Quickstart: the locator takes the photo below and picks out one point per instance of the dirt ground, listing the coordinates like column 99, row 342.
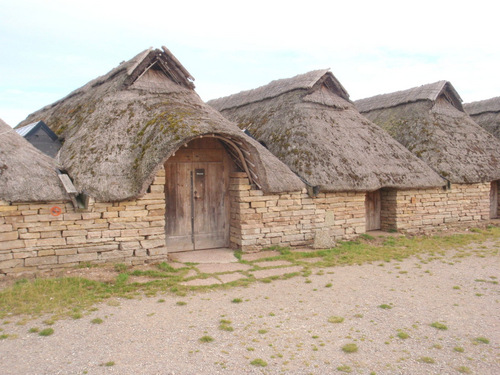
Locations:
column 286, row 326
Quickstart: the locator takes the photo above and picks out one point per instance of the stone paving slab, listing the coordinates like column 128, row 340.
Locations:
column 204, row 256
column 274, row 263
column 311, row 260
column 191, row 273
column 260, row 255
column 262, row 274
column 176, row 265
column 224, row 267
column 202, row 282
column 227, row 278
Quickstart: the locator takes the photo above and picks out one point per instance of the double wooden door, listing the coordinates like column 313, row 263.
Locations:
column 196, row 196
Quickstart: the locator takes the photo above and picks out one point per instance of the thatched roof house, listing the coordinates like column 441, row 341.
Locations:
column 120, row 128
column 486, row 113
column 430, row 122
column 26, row 174
column 309, row 123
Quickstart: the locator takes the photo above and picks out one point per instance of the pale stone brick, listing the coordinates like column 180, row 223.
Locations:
column 52, row 259
column 10, row 245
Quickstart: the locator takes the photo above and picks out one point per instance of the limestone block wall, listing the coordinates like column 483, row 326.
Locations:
column 40, row 236
column 292, row 218
column 428, row 209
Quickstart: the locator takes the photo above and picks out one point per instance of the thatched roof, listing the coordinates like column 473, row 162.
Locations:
column 486, row 113
column 26, row 174
column 436, row 129
column 309, row 123
column 120, row 128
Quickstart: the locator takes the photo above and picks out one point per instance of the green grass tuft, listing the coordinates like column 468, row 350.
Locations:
column 350, row 348
column 258, row 362
column 46, row 332
column 439, row 326
column 335, row 319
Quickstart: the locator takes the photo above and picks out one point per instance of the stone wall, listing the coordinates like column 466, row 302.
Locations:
column 40, row 236
column 35, row 237
column 292, row 218
column 428, row 209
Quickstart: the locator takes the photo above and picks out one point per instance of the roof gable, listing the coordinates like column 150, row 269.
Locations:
column 27, row 130
column 312, row 81
column 431, row 92
column 482, row 106
column 162, row 61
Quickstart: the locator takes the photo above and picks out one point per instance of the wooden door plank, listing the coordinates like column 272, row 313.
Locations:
column 373, row 208
column 494, row 200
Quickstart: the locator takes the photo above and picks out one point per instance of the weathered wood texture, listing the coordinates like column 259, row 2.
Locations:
column 373, row 206
column 197, row 202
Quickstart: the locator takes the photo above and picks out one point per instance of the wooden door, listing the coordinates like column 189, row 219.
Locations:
column 494, row 200
column 197, row 199
column 372, row 207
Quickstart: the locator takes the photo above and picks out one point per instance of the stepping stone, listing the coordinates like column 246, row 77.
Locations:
column 191, row 273
column 202, row 282
column 176, row 265
column 273, row 263
column 262, row 274
column 227, row 278
column 260, row 255
column 223, row 267
column 204, row 256
column 311, row 260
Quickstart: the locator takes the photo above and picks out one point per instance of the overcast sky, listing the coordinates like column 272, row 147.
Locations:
column 48, row 48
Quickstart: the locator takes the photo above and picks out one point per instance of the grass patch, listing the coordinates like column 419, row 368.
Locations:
column 344, row 368
column 350, row 348
column 439, row 326
column 206, row 339
column 237, row 300
column 335, row 319
column 181, row 303
column 481, row 340
column 385, row 306
column 403, row 335
column 426, row 360
column 46, row 332
column 225, row 325
column 464, row 370
column 459, row 349
column 97, row 321
column 258, row 362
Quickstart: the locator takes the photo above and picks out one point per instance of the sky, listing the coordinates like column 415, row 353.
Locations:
column 49, row 48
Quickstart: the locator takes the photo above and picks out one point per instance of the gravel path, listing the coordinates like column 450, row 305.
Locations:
column 285, row 324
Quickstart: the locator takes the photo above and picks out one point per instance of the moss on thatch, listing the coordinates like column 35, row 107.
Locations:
column 121, row 127
column 309, row 123
column 428, row 121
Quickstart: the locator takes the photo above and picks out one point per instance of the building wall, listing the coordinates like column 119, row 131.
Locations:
column 292, row 218
column 428, row 209
column 33, row 239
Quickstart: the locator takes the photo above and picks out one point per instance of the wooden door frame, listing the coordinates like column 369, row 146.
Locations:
column 227, row 166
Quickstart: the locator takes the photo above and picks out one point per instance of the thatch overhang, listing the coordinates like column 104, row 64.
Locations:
column 310, row 124
column 486, row 113
column 120, row 128
column 26, row 174
column 430, row 122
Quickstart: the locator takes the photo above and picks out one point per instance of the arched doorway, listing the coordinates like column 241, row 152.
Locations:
column 196, row 194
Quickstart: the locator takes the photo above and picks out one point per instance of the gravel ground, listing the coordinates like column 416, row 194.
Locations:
column 285, row 324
